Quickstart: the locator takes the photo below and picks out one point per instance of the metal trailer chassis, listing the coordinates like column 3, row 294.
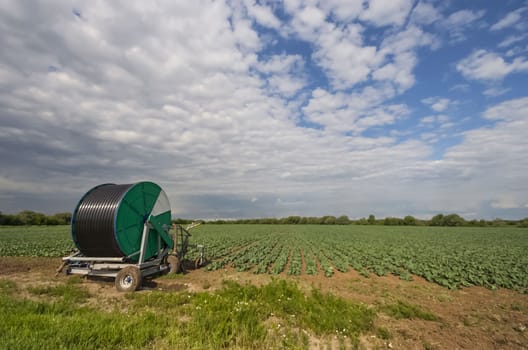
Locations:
column 128, row 276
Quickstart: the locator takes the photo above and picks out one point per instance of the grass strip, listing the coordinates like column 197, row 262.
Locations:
column 276, row 315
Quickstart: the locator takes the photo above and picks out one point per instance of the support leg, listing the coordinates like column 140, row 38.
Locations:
column 144, row 239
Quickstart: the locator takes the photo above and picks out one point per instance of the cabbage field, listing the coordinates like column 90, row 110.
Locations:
column 451, row 257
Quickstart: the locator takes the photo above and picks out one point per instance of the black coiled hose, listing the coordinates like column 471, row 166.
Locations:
column 93, row 222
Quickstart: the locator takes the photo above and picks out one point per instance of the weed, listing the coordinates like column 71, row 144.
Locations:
column 402, row 309
column 471, row 321
column 444, row 298
column 172, row 276
column 406, row 276
column 7, row 286
column 383, row 333
column 428, row 346
column 518, row 307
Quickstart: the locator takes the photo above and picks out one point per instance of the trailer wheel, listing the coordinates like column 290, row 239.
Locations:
column 197, row 263
column 174, row 263
column 128, row 279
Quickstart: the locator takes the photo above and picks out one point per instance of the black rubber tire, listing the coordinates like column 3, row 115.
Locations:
column 128, row 279
column 174, row 264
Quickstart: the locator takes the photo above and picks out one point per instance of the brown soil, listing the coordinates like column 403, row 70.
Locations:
column 470, row 318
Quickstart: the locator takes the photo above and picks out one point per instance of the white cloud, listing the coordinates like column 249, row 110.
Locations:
column 428, row 120
column 512, row 39
column 344, row 10
column 400, row 48
column 495, row 91
column 311, row 16
column 484, row 65
column 186, row 94
column 409, row 39
column 398, row 72
column 349, row 62
column 18, row 186
column 463, row 18
column 507, row 201
column 177, row 101
column 440, row 105
column 346, row 63
column 425, row 13
column 340, row 49
column 437, row 104
column 459, row 22
column 430, row 137
column 262, row 14
column 383, row 13
column 281, row 64
column 485, row 150
column 460, row 87
column 283, row 73
column 441, row 120
column 291, row 6
column 511, row 19
column 307, row 21
column 354, row 112
column 516, row 51
column 286, row 85
column 512, row 110
column 322, row 100
column 447, row 125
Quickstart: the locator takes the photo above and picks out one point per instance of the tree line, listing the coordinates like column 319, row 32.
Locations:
column 437, row 220
column 28, row 217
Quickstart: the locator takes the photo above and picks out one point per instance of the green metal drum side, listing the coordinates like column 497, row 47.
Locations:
column 134, row 209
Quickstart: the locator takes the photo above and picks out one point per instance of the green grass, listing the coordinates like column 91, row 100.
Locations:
column 7, row 287
column 63, row 324
column 159, row 300
column 404, row 310
column 277, row 315
column 239, row 315
column 383, row 333
column 518, row 307
column 69, row 292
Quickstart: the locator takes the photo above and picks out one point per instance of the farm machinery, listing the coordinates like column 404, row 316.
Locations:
column 125, row 232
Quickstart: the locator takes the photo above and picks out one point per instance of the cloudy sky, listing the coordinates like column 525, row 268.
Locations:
column 251, row 108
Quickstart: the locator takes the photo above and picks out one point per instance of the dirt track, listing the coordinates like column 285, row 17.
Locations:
column 471, row 318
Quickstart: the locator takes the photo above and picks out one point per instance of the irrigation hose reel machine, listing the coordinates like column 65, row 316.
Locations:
column 124, row 232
